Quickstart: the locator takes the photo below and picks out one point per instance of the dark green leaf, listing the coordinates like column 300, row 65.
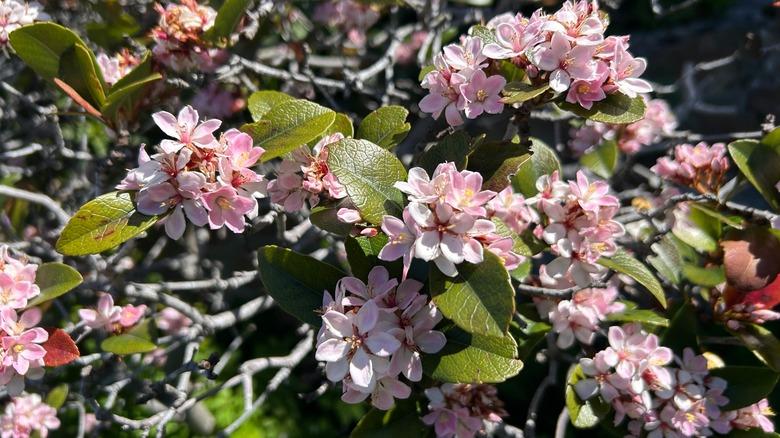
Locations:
column 761, row 342
column 518, row 92
column 639, row 315
column 626, row 264
column 479, row 299
column 584, row 414
column 54, row 279
column 228, row 17
column 297, row 282
column 708, row 277
column 497, row 161
column 140, row 339
column 385, row 127
column 760, row 164
column 746, row 385
column 544, row 161
column 682, row 330
column 126, row 97
column 103, row 223
column 455, row 148
column 603, row 159
column 362, row 255
column 615, row 109
column 473, row 358
column 402, row 420
column 324, row 216
column 41, row 46
column 368, row 172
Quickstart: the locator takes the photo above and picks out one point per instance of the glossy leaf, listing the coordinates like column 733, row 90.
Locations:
column 324, row 216
column 103, row 223
column 289, row 125
column 54, row 279
column 707, row 277
column 626, row 264
column 603, row 159
column 498, row 161
column 584, row 414
column 261, row 102
column 518, row 92
column 139, row 339
column 615, row 109
column 368, row 172
column 761, row 342
column 682, row 330
column 227, row 19
column 385, row 127
column 639, row 315
column 473, row 358
column 479, row 299
column 667, row 259
column 746, row 385
column 760, row 163
column 750, row 258
column 60, row 348
column 362, row 255
column 402, row 420
column 126, row 97
column 297, row 282
column 454, row 148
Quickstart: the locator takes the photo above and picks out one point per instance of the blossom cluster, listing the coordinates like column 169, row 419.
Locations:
column 702, row 167
column 197, row 176
column 179, row 37
column 21, row 352
column 659, row 121
column 27, row 415
column 112, row 318
column 579, row 318
column 116, row 67
column 350, row 16
column 566, row 50
column 305, row 177
column 662, row 395
column 374, row 332
column 447, row 220
column 736, row 307
column 15, row 14
column 579, row 227
column 459, row 410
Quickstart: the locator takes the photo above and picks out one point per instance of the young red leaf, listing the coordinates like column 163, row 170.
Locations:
column 60, row 348
column 750, row 258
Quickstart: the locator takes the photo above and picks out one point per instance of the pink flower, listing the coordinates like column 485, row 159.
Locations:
column 14, row 293
column 27, row 414
column 383, row 396
column 186, row 130
column 458, row 410
column 23, row 349
column 586, row 91
column 15, row 14
column 564, row 62
column 467, row 55
column 512, row 209
column 12, row 324
column 227, row 208
column 625, row 71
column 379, row 284
column 702, row 167
column 105, row 316
column 443, row 87
column 416, row 334
column 482, row 94
column 515, row 36
column 466, row 193
column 130, row 315
column 172, row 321
column 401, row 236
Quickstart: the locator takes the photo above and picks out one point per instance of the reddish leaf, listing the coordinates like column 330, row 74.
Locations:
column 60, row 348
column 750, row 258
column 765, row 298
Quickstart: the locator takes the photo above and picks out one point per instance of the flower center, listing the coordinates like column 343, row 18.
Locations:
column 482, row 95
column 583, row 88
column 224, row 203
column 18, row 348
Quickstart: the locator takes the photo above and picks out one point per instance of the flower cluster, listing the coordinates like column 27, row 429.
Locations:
column 21, row 352
column 178, row 37
column 350, row 16
column 459, row 83
column 375, row 331
column 579, row 227
column 567, row 50
column 459, row 410
column 579, row 318
column 701, row 167
column 305, row 176
column 112, row 318
column 736, row 307
column 27, row 415
column 196, row 176
column 659, row 121
column 447, row 220
column 116, row 67
column 215, row 101
column 15, row 14
column 662, row 395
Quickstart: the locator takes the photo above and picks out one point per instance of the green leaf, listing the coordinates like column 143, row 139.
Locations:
column 626, row 264
column 701, row 231
column 385, row 127
column 297, row 282
column 362, row 255
column 760, row 164
column 603, row 159
column 667, row 260
column 227, row 19
column 103, row 223
column 454, row 148
column 368, row 172
column 140, row 339
column 402, row 420
column 424, row 72
column 752, row 433
column 498, row 161
column 479, row 299
column 54, row 279
column 615, row 109
column 343, row 125
column 746, row 385
column 115, row 27
column 682, row 330
column 530, row 335
column 584, row 414
column 289, row 125
column 261, row 102
column 639, row 315
column 708, row 277
column 80, row 70
column 473, row 358
column 518, row 92
column 761, row 342
column 57, row 396
column 126, row 97
column 544, row 161
column 486, row 35
column 41, row 46
column 731, row 220
column 772, row 139
column 324, row 216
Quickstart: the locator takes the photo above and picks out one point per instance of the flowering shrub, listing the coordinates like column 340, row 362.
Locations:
column 448, row 276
